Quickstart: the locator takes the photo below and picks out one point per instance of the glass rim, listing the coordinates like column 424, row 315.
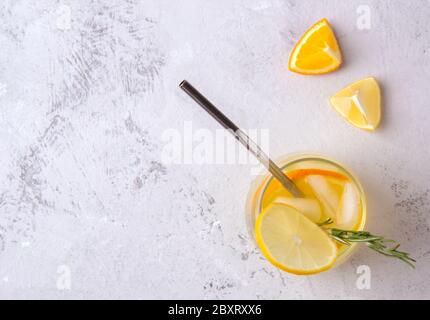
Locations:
column 288, row 160
column 301, row 157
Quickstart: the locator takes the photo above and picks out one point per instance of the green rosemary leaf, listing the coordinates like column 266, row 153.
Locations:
column 376, row 243
column 341, row 240
column 325, row 222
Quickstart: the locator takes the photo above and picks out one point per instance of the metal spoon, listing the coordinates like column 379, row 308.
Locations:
column 242, row 137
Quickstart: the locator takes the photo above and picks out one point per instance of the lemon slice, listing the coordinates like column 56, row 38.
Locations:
column 292, row 242
column 309, row 207
column 317, row 51
column 360, row 103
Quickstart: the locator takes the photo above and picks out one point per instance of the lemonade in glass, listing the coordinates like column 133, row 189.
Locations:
column 286, row 227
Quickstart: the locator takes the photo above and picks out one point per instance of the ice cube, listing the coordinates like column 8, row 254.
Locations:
column 349, row 208
column 308, row 207
column 326, row 193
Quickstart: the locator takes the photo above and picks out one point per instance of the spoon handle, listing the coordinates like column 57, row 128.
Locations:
column 241, row 137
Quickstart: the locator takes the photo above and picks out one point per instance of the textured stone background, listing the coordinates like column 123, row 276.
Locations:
column 83, row 107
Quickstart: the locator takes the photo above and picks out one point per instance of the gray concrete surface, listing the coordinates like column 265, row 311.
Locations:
column 88, row 209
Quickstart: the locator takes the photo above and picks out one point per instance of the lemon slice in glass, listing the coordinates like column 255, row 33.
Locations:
column 292, row 242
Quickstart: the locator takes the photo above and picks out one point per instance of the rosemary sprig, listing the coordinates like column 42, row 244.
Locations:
column 377, row 243
column 325, row 222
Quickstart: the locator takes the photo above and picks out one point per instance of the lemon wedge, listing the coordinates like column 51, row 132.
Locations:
column 360, row 103
column 317, row 51
column 292, row 242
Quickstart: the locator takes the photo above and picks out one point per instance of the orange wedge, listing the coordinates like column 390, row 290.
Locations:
column 300, row 173
column 317, row 51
